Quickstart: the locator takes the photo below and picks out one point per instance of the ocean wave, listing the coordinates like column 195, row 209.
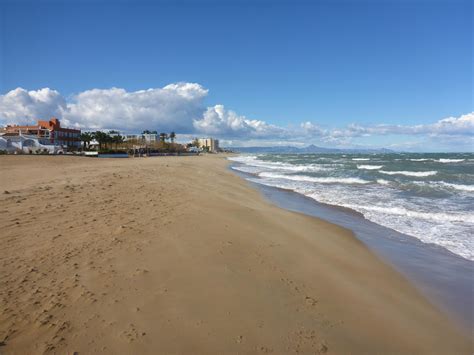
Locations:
column 369, row 167
column 450, row 229
column 409, row 173
column 450, row 160
column 322, row 180
column 360, row 159
column 422, row 159
column 242, row 158
column 253, row 161
column 433, row 216
column 469, row 188
column 246, row 169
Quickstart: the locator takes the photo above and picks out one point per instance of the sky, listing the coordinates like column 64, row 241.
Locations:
column 387, row 73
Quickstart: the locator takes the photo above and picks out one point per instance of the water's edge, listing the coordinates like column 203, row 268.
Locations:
column 444, row 278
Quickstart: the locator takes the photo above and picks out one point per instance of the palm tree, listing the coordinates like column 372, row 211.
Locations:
column 172, row 136
column 146, row 132
column 86, row 138
column 115, row 138
column 118, row 139
column 108, row 140
column 101, row 138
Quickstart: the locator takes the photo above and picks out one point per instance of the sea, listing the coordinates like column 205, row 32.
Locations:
column 429, row 197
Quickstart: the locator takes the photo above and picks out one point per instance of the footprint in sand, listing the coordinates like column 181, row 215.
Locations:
column 311, row 301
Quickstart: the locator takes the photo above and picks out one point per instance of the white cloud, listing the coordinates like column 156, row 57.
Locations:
column 455, row 126
column 20, row 106
column 463, row 125
column 312, row 129
column 180, row 107
column 219, row 121
column 172, row 107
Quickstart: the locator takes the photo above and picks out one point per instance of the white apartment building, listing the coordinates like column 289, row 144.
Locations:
column 145, row 137
column 210, row 144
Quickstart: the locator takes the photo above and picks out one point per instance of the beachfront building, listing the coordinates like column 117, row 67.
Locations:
column 147, row 138
column 46, row 133
column 210, row 144
column 17, row 143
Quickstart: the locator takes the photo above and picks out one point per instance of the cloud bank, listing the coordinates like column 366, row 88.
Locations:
column 463, row 125
column 171, row 108
column 180, row 107
column 20, row 106
column 217, row 120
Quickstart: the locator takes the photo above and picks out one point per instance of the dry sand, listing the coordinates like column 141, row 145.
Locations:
column 176, row 255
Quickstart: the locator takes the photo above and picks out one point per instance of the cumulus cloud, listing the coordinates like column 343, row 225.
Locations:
column 172, row 107
column 455, row 126
column 180, row 107
column 454, row 131
column 312, row 129
column 20, row 106
column 219, row 121
column 463, row 125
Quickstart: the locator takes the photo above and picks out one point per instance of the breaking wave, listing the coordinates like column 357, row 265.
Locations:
column 410, row 173
column 322, row 180
column 369, row 167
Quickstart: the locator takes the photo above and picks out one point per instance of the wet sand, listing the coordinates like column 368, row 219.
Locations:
column 179, row 255
column 446, row 279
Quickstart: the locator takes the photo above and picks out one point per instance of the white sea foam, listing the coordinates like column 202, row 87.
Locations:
column 360, row 159
column 450, row 160
column 446, row 220
column 322, row 180
column 469, row 188
column 451, row 230
column 433, row 216
column 243, row 158
column 246, row 169
column 369, row 167
column 250, row 160
column 410, row 173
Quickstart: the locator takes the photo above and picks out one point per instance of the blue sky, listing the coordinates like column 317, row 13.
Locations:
column 332, row 63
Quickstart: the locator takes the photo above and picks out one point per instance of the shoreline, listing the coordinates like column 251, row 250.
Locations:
column 429, row 267
column 180, row 255
column 429, row 200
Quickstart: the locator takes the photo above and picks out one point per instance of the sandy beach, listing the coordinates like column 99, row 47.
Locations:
column 177, row 255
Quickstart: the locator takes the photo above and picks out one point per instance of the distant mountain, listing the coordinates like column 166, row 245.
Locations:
column 308, row 150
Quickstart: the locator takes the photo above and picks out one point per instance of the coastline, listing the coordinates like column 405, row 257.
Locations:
column 180, row 255
column 442, row 276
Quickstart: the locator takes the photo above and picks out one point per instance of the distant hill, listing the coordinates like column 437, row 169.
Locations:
column 308, row 150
